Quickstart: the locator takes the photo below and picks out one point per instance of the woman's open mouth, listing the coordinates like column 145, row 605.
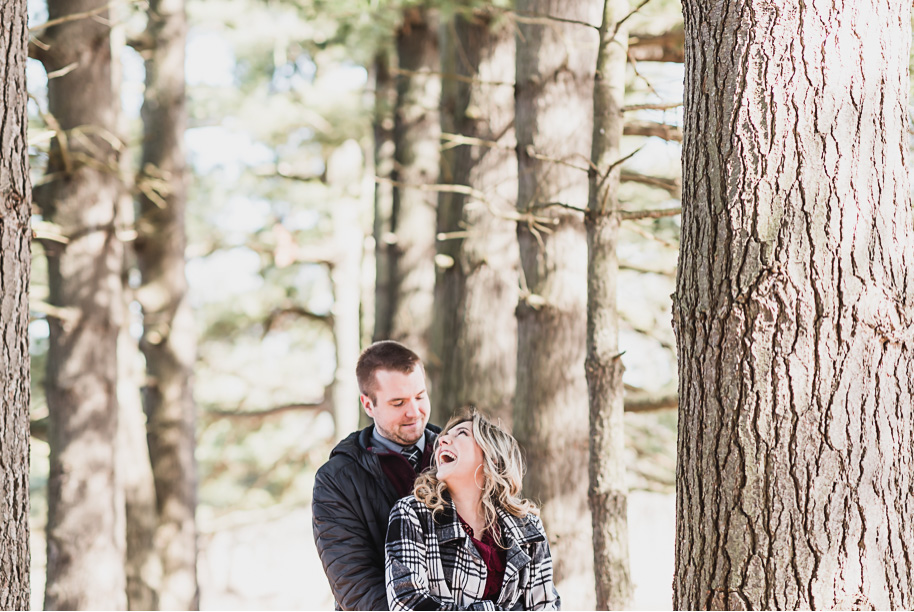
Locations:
column 446, row 456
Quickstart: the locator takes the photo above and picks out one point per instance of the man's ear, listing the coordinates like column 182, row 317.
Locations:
column 367, row 405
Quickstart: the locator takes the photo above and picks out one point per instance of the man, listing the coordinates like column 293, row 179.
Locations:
column 369, row 471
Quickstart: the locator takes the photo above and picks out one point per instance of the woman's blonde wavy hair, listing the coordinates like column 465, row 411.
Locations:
column 502, row 466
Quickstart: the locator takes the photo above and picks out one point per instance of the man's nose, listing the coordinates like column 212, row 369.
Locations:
column 412, row 408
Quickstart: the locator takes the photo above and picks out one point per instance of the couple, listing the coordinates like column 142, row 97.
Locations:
column 459, row 538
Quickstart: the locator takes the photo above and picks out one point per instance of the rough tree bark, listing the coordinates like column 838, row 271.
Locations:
column 15, row 263
column 608, row 493
column 169, row 338
column 411, row 242
column 84, row 540
column 554, row 106
column 794, row 308
column 474, row 331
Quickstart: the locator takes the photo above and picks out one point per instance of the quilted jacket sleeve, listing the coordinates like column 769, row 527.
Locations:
column 351, row 561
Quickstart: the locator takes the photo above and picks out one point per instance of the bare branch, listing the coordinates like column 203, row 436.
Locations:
column 77, row 16
column 657, row 106
column 455, row 140
column 321, row 406
column 642, row 270
column 45, row 230
column 647, row 402
column 278, row 314
column 543, row 19
column 633, row 227
column 671, row 185
column 653, row 128
column 546, row 205
column 657, row 213
column 531, row 152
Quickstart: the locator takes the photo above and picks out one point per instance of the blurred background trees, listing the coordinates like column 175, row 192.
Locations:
column 271, row 184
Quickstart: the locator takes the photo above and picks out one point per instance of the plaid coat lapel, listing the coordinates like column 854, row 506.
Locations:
column 463, row 567
column 431, row 562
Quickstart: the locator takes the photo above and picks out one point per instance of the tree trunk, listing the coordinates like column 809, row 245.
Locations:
column 85, row 547
column 169, row 338
column 15, row 261
column 143, row 566
column 384, row 103
column 416, row 142
column 794, row 309
column 475, row 331
column 608, row 493
column 135, row 481
column 554, row 106
column 344, row 173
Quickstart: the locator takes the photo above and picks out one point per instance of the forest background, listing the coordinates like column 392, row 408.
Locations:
column 282, row 155
column 297, row 186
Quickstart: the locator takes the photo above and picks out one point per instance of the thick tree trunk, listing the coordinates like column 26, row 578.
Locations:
column 416, row 141
column 85, row 546
column 794, row 309
column 474, row 335
column 15, row 262
column 169, row 338
column 554, row 106
column 608, row 493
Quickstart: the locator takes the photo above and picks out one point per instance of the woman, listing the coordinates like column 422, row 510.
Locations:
column 465, row 539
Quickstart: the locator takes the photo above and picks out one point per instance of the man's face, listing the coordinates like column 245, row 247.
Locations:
column 401, row 409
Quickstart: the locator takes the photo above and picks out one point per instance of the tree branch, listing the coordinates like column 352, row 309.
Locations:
column 652, row 106
column 665, row 131
column 671, row 185
column 657, row 213
column 77, row 16
column 648, row 402
column 278, row 314
column 321, row 406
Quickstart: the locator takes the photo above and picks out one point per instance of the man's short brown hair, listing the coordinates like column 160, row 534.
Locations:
column 383, row 355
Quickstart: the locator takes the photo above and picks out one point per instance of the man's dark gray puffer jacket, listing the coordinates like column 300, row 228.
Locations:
column 350, row 510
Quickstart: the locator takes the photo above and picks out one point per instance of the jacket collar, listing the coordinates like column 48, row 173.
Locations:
column 515, row 530
column 521, row 530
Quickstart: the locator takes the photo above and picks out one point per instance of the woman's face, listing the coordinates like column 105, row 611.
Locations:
column 458, row 458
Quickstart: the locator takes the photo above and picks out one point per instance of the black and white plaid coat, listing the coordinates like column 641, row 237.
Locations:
column 431, row 564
